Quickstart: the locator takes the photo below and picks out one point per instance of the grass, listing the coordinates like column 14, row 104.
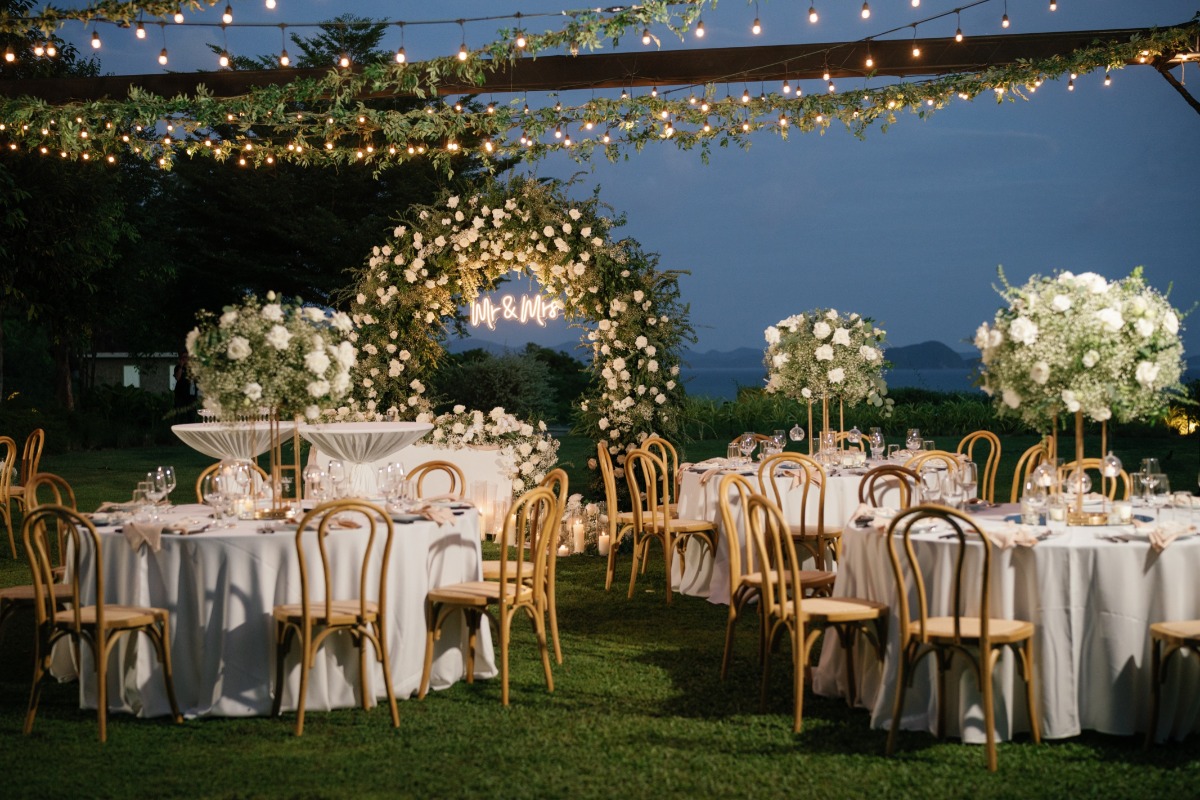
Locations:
column 638, row 710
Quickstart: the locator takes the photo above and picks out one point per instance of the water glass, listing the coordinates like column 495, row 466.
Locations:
column 952, row 490
column 746, row 445
column 1160, row 493
column 968, row 476
column 337, row 476
column 892, row 451
column 732, row 451
column 928, row 444
column 931, row 486
column 913, row 440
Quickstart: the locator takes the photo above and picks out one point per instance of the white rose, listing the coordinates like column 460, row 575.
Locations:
column 316, row 361
column 574, row 214
column 1144, row 328
column 1060, row 302
column 319, row 388
column 238, row 349
column 824, row 353
column 772, row 335
column 1101, row 414
column 253, row 390
column 1091, row 358
column 822, row 329
column 313, row 314
column 640, row 342
column 1171, row 323
column 806, row 393
column 1023, row 331
column 1040, row 373
column 228, row 318
column 662, row 398
column 602, row 424
column 1068, row 398
column 272, row 312
column 1011, row 398
column 341, row 321
column 652, row 366
column 1111, row 319
column 1147, row 373
column 278, row 337
column 837, row 375
column 312, row 412
column 868, row 353
column 981, row 336
column 779, row 359
column 841, row 336
column 651, row 350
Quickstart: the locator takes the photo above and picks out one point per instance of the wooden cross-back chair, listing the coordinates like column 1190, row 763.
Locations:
column 259, row 476
column 86, row 618
column 448, row 470
column 933, row 458
column 787, row 612
column 975, row 635
column 987, row 475
column 517, row 590
column 322, row 611
column 619, row 522
column 1025, row 465
column 8, row 459
column 1107, row 486
column 670, row 458
column 648, row 477
column 878, row 481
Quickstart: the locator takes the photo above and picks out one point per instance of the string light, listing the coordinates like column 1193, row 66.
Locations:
column 95, row 40
column 870, row 61
column 832, row 89
column 1107, row 79
column 141, row 31
column 653, row 93
column 745, row 95
column 284, row 58
column 958, row 34
column 812, row 14
column 51, row 49
column 270, row 5
column 1071, row 85
column 916, row 49
column 916, row 3
column 700, row 29
column 223, row 60
column 401, row 56
column 162, row 56
column 787, row 87
column 178, row 16
column 866, row 10
column 756, row 27
column 645, row 36
column 39, row 49
column 463, row 52
column 227, row 16
column 1053, row 5
column 1004, row 20
column 9, row 55
column 344, row 60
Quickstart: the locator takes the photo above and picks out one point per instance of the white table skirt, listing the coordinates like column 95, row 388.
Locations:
column 707, row 575
column 1091, row 602
column 230, row 440
column 490, row 466
column 220, row 587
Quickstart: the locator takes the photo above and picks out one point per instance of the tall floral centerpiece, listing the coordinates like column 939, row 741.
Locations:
column 823, row 355
column 1081, row 345
column 279, row 358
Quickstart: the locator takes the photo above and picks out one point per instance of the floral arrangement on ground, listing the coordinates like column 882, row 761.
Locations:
column 1070, row 343
column 823, row 353
column 280, row 355
column 533, row 452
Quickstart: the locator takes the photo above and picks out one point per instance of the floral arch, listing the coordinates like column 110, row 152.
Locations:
column 442, row 257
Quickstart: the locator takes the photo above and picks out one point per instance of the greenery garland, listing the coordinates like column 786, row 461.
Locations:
column 444, row 255
column 317, row 121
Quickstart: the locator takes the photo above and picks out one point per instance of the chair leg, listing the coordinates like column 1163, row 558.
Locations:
column 1035, row 722
column 7, row 512
column 986, row 660
column 847, row 639
column 898, row 706
column 799, row 657
column 305, row 662
column 668, row 548
column 727, row 655
column 943, row 665
column 283, row 641
column 100, row 653
column 1156, row 646
column 505, row 634
column 539, row 627
column 552, row 607
column 381, row 642
column 162, row 642
column 431, row 623
column 40, row 668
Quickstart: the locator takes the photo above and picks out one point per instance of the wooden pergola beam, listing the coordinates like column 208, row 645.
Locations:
column 664, row 68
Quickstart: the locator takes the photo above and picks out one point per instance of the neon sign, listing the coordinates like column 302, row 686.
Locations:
column 520, row 309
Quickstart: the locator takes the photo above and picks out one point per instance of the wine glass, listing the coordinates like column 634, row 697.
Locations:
column 169, row 481
column 779, row 437
column 913, row 440
column 337, row 475
column 796, row 434
column 953, row 491
column 1033, row 502
column 1150, row 466
column 968, row 478
column 156, row 490
column 931, row 485
column 1160, row 493
column 210, row 493
column 746, row 446
column 876, row 442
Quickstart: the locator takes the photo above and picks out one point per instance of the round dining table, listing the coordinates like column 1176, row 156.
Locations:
column 1091, row 594
column 220, row 585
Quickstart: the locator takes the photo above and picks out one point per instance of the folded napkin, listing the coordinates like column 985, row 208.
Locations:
column 147, row 533
column 797, row 475
column 109, row 507
column 709, row 474
column 453, row 498
column 1010, row 534
column 439, row 514
column 1161, row 534
column 868, row 516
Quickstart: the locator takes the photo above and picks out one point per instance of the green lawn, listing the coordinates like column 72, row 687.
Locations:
column 638, row 710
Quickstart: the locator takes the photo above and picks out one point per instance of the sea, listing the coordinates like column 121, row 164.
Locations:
column 721, row 383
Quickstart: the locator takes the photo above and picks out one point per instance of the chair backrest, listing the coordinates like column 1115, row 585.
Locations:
column 932, row 457
column 54, row 487
column 885, row 478
column 8, row 458
column 1025, row 465
column 771, row 539
column 49, row 524
column 529, row 520
column 1107, row 486
column 667, row 453
column 31, row 454
column 739, row 547
column 260, row 479
column 557, row 482
column 609, row 477
column 343, row 518
column 646, row 475
column 843, row 437
column 449, row 471
column 987, row 476
column 783, row 472
column 758, row 437
column 969, row 581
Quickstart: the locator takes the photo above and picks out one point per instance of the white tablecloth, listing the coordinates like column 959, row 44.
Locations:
column 707, row 575
column 362, row 445
column 242, row 440
column 220, row 587
column 1091, row 602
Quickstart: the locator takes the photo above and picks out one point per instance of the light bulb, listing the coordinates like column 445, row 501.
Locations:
column 1071, row 85
column 1053, row 5
column 866, row 11
column 756, row 28
column 491, row 108
column 39, row 49
column 1107, row 79
column 271, row 4
column 700, row 29
column 51, row 50
column 831, row 88
column 95, row 40
column 916, row 51
column 488, row 146
column 463, row 52
column 606, row 138
column 178, row 17
column 624, row 95
column 558, row 134
column 9, row 55
column 653, row 93
column 783, row 120
column 521, row 40
column 645, row 36
column 1004, row 23
column 401, row 56
column 916, row 3
column 224, row 59
column 704, row 106
column 870, row 61
column 141, row 31
column 825, row 74
column 812, row 14
column 227, row 17
column 284, row 59
column 162, row 56
column 958, row 37
column 787, row 87
column 1074, row 75
column 344, row 60
column 745, row 96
